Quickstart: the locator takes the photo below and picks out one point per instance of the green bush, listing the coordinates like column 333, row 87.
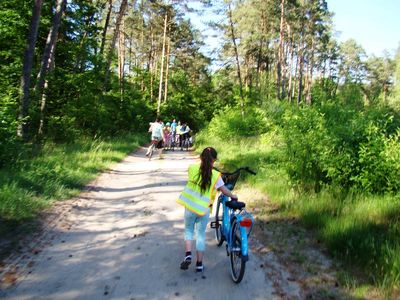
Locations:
column 338, row 145
column 345, row 131
column 9, row 143
column 306, row 140
column 62, row 128
column 230, row 123
column 379, row 159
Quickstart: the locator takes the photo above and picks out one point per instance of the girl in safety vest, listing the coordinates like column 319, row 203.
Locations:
column 197, row 198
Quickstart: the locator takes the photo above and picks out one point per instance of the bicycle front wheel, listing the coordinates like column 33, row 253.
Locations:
column 238, row 263
column 218, row 223
column 151, row 151
column 187, row 144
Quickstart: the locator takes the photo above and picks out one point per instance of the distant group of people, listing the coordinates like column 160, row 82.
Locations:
column 168, row 135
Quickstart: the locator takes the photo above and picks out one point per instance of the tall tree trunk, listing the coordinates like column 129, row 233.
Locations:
column 167, row 70
column 237, row 58
column 50, row 46
column 260, row 52
column 268, row 71
column 43, row 99
column 293, row 92
column 301, row 65
column 306, row 68
column 142, row 54
column 107, row 22
column 258, row 70
column 336, row 85
column 291, row 55
column 27, row 69
column 153, row 75
column 310, row 73
column 150, row 60
column 121, row 58
column 130, row 55
column 162, row 64
column 300, row 89
column 48, row 62
column 151, row 66
column 246, row 75
column 113, row 41
column 249, row 77
column 280, row 66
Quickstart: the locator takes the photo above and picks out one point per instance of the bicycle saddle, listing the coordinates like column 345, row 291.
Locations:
column 235, row 204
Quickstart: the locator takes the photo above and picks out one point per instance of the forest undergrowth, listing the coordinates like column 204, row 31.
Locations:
column 356, row 219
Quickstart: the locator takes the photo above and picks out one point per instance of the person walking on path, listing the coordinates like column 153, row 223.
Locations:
column 173, row 128
column 167, row 136
column 197, row 198
column 178, row 133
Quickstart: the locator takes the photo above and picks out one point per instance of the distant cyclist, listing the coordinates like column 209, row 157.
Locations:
column 184, row 134
column 157, row 136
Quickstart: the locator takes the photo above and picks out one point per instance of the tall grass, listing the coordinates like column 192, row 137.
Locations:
column 361, row 230
column 54, row 173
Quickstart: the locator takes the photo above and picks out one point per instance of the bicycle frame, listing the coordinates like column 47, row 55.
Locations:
column 229, row 215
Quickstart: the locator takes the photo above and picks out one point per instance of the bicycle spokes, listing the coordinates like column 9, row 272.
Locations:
column 238, row 263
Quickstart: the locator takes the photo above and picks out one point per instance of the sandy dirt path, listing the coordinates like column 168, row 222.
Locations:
column 123, row 239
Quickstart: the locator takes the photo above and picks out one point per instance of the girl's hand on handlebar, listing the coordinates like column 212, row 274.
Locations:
column 234, row 198
column 228, row 193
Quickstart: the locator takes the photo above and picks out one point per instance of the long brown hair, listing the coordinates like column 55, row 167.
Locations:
column 207, row 157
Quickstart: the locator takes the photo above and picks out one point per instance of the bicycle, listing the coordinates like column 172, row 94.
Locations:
column 185, row 142
column 233, row 224
column 152, row 147
column 171, row 142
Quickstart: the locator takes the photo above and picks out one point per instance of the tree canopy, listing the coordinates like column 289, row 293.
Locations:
column 99, row 67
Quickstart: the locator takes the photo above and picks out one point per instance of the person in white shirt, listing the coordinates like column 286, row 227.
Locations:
column 157, row 136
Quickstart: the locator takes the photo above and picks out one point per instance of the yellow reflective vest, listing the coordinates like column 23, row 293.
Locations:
column 192, row 198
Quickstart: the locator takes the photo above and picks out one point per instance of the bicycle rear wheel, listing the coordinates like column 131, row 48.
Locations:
column 218, row 223
column 238, row 263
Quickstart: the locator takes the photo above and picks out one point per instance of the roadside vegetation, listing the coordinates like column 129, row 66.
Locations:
column 55, row 172
column 334, row 169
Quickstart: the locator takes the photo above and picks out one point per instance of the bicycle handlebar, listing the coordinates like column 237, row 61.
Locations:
column 247, row 169
column 231, row 178
column 250, row 171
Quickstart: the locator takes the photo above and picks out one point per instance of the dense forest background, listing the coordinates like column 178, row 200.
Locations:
column 73, row 70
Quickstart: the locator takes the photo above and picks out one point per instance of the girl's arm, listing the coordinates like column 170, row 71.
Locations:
column 227, row 192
